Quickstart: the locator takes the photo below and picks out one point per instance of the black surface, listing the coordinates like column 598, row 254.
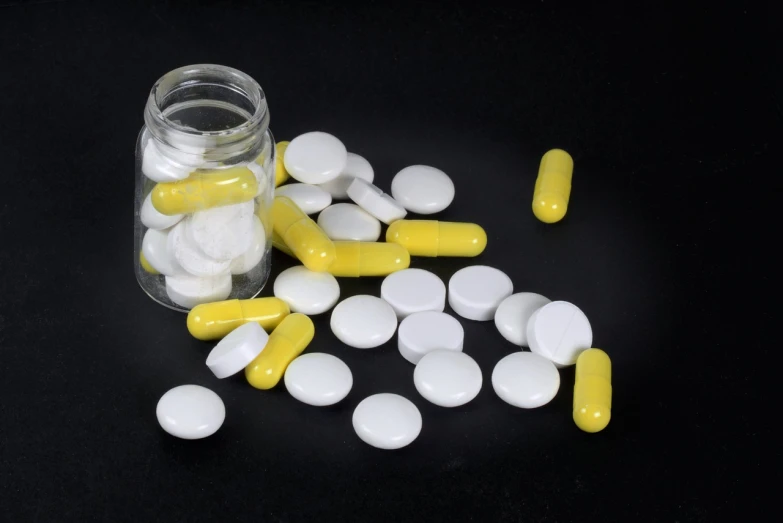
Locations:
column 672, row 121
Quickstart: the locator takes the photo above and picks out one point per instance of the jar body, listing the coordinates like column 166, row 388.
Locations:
column 204, row 188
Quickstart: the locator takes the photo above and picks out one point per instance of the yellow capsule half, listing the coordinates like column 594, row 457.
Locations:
column 204, row 190
column 146, row 265
column 302, row 235
column 434, row 238
column 593, row 391
column 279, row 244
column 212, row 321
column 286, row 342
column 553, row 186
column 354, row 259
column 281, row 175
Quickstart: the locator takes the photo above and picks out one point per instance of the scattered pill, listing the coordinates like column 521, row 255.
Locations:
column 306, row 291
column 559, row 331
column 279, row 244
column 189, row 256
column 376, row 202
column 188, row 291
column 246, row 261
column 347, row 221
column 363, row 321
column 387, row 421
column 447, row 378
column 223, row 233
column 413, row 290
column 286, row 342
column 152, row 219
column 204, row 190
column 553, row 186
column 593, row 391
column 234, row 352
column 422, row 189
column 160, row 169
column 423, row 332
column 146, row 265
column 315, row 157
column 212, row 321
column 302, row 235
column 355, row 167
column 281, row 175
column 354, row 259
column 525, row 380
column 476, row 292
column 318, row 379
column 155, row 250
column 513, row 314
column 434, row 238
column 190, row 412
column 309, row 198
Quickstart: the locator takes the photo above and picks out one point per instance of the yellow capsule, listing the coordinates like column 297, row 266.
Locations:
column 212, row 321
column 281, row 175
column 553, row 186
column 354, row 259
column 279, row 244
column 305, row 239
column 204, row 190
column 146, row 265
column 593, row 390
column 286, row 342
column 434, row 238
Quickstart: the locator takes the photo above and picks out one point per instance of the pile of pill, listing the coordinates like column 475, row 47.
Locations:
column 265, row 337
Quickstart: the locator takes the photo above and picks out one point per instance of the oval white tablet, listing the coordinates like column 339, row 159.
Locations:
column 188, row 291
column 559, row 331
column 374, row 201
column 155, row 248
column 190, row 412
column 306, row 291
column 315, row 158
column 513, row 314
column 223, row 233
column 318, row 379
column 525, row 380
column 363, row 321
column 423, row 189
column 237, row 349
column 189, row 256
column 355, row 167
column 347, row 221
column 447, row 378
column 252, row 256
column 476, row 292
column 153, row 219
column 310, row 198
column 424, row 332
column 387, row 421
column 413, row 290
column 160, row 169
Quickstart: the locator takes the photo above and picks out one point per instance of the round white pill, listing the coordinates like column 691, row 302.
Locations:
column 310, row 198
column 188, row 291
column 306, row 291
column 423, row 332
column 423, row 189
column 559, row 331
column 476, row 292
column 252, row 256
column 237, row 349
column 413, row 290
column 318, row 379
column 160, row 169
column 447, row 378
column 355, row 167
column 374, row 201
column 223, row 233
column 151, row 218
column 315, row 158
column 346, row 221
column 525, row 380
column 363, row 321
column 190, row 412
column 155, row 248
column 513, row 314
column 387, row 421
column 190, row 257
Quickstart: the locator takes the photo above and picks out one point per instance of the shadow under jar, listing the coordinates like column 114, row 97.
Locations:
column 204, row 188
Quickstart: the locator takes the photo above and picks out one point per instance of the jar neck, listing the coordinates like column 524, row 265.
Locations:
column 209, row 111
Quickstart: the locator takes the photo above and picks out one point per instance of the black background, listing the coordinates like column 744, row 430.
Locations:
column 669, row 246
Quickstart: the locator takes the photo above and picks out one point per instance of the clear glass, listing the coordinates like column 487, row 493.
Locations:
column 204, row 188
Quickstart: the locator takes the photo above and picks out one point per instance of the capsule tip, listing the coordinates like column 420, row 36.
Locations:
column 549, row 208
column 196, row 324
column 393, row 232
column 592, row 418
column 479, row 236
column 146, row 265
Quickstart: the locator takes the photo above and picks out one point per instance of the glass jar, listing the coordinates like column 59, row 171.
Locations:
column 204, row 186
